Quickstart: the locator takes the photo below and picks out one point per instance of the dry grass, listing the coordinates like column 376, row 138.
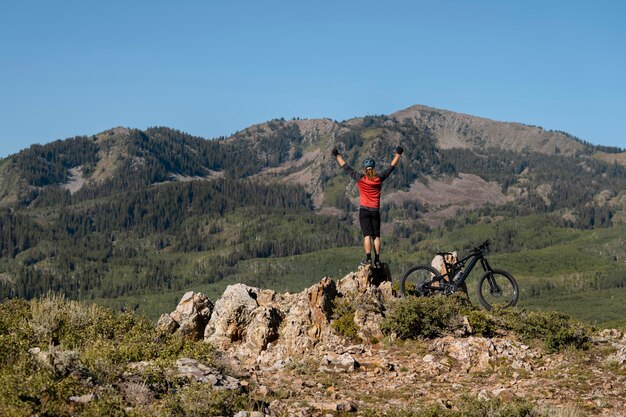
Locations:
column 51, row 312
column 620, row 158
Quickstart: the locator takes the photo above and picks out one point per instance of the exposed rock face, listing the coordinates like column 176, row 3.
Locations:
column 249, row 321
column 255, row 325
column 286, row 344
column 307, row 317
column 369, row 295
column 244, row 318
column 190, row 317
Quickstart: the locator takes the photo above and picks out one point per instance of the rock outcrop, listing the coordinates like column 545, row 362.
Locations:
column 295, row 362
column 190, row 317
column 261, row 326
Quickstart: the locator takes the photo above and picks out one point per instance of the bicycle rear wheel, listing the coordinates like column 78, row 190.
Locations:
column 497, row 289
column 414, row 279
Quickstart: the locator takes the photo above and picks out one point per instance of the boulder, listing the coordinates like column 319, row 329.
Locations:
column 199, row 372
column 231, row 316
column 472, row 353
column 167, row 324
column 190, row 317
column 338, row 363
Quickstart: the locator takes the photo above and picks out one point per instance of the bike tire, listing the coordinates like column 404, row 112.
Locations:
column 413, row 279
column 506, row 296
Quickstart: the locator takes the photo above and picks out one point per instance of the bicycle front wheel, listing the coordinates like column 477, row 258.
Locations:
column 414, row 279
column 497, row 289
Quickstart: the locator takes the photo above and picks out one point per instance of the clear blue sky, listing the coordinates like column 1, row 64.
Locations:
column 211, row 68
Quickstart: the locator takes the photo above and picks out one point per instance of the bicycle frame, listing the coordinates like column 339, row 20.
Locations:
column 445, row 284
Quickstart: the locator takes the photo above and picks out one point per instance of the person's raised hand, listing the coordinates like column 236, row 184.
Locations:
column 399, row 150
column 335, row 152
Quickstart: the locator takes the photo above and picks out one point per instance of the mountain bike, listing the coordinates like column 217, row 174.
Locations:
column 496, row 288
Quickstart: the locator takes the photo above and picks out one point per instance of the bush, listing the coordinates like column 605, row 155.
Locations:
column 343, row 319
column 413, row 317
column 483, row 324
column 556, row 330
column 199, row 400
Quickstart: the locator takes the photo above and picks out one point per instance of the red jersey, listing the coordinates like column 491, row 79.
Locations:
column 369, row 190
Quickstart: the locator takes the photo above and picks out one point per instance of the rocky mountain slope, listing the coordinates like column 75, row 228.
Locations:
column 457, row 130
column 300, row 362
column 297, row 152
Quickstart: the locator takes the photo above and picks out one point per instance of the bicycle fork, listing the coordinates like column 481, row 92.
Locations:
column 494, row 288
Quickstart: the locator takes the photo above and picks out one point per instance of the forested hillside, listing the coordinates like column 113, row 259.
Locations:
column 142, row 215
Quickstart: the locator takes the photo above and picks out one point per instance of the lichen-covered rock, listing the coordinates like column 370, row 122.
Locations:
column 356, row 282
column 307, row 316
column 167, row 324
column 231, row 316
column 190, row 317
column 263, row 328
column 197, row 371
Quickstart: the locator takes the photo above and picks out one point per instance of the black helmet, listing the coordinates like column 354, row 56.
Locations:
column 369, row 163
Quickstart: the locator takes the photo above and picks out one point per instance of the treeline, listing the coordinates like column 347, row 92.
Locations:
column 17, row 233
column 116, row 264
column 590, row 147
column 157, row 209
column 164, row 208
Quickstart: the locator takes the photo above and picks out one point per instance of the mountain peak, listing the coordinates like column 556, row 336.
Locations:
column 118, row 130
column 458, row 130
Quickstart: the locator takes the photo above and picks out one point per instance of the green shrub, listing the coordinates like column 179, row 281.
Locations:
column 343, row 319
column 110, row 404
column 15, row 333
column 27, row 389
column 556, row 330
column 413, row 317
column 200, row 400
column 483, row 324
column 14, row 314
column 73, row 324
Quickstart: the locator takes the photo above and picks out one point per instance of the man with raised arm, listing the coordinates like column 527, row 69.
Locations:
column 370, row 184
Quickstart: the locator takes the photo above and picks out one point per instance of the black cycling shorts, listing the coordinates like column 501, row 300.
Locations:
column 370, row 222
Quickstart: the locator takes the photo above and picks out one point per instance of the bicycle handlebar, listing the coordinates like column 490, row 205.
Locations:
column 483, row 246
